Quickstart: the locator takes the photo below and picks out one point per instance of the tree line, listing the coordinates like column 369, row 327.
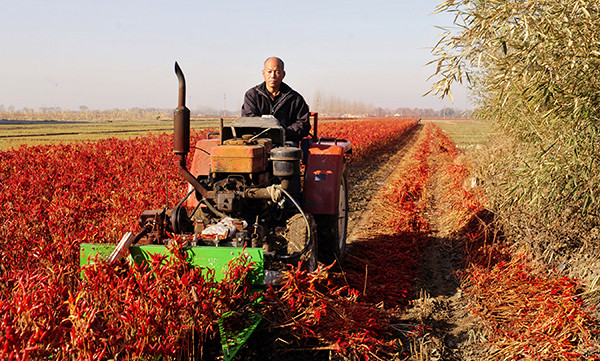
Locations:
column 327, row 107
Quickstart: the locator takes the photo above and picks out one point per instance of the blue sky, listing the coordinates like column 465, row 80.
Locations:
column 120, row 54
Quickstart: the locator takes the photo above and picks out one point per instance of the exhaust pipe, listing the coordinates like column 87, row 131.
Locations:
column 181, row 135
column 181, row 118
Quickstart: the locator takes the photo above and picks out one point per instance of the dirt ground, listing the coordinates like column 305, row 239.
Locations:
column 451, row 332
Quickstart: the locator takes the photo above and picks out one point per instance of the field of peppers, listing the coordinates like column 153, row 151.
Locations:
column 53, row 198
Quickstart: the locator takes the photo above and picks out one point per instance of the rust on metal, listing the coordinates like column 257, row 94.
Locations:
column 181, row 135
column 238, row 159
column 315, row 116
column 181, row 118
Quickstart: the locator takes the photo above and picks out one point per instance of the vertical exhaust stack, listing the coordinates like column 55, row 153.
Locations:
column 181, row 118
column 181, row 135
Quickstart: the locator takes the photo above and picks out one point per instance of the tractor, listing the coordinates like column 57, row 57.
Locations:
column 249, row 190
column 250, row 193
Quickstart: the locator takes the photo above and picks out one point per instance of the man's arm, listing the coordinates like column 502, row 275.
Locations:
column 250, row 107
column 301, row 126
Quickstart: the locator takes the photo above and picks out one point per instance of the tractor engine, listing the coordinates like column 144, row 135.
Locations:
column 244, row 179
column 249, row 180
column 235, row 167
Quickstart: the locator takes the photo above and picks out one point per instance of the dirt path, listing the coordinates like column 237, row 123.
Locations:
column 449, row 331
column 366, row 180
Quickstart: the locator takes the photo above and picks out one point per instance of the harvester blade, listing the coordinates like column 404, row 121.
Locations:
column 235, row 329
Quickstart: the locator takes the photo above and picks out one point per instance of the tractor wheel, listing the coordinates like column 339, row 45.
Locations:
column 297, row 235
column 333, row 228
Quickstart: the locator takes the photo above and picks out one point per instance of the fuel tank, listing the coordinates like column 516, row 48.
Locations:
column 240, row 157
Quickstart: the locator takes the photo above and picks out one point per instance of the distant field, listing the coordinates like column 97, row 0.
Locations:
column 465, row 133
column 16, row 133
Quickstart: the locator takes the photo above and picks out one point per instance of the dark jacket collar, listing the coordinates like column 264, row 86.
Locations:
column 283, row 89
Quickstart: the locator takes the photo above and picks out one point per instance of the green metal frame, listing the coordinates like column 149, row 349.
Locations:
column 215, row 258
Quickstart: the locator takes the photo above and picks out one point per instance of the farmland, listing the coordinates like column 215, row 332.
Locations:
column 423, row 252
column 15, row 133
column 464, row 133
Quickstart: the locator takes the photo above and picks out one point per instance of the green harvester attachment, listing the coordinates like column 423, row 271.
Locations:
column 215, row 258
column 235, row 327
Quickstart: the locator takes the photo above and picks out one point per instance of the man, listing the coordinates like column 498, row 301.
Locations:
column 273, row 97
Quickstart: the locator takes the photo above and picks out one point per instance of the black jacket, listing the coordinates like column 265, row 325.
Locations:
column 288, row 107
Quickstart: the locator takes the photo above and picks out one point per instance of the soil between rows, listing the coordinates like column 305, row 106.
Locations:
column 451, row 332
column 367, row 179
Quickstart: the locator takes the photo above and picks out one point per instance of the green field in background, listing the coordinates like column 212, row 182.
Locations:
column 37, row 133
column 464, row 133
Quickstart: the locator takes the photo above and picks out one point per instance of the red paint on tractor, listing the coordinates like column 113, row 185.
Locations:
column 322, row 178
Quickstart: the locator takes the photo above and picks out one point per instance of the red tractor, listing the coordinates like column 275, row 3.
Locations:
column 251, row 191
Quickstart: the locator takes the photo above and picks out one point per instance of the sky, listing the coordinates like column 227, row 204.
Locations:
column 107, row 54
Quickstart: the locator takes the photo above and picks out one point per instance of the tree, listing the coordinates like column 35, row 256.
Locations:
column 533, row 67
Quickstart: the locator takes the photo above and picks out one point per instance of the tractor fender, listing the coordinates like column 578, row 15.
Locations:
column 324, row 163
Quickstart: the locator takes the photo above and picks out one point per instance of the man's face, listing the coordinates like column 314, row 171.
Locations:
column 273, row 74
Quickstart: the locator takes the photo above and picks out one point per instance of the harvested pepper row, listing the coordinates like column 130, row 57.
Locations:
column 530, row 312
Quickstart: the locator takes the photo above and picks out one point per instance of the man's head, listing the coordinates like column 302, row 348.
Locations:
column 273, row 73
